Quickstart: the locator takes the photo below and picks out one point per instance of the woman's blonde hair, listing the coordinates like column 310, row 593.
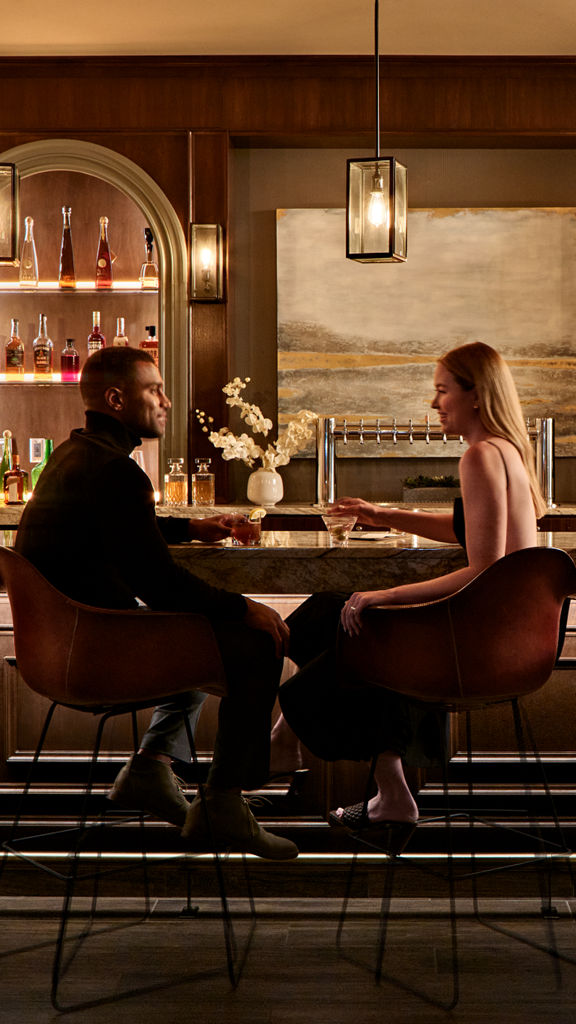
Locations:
column 480, row 367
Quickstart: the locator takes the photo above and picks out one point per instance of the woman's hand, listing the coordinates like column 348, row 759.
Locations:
column 365, row 511
column 350, row 616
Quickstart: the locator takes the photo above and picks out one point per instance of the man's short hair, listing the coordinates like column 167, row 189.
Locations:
column 109, row 367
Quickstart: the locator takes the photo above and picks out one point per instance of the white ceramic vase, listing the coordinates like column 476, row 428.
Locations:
column 265, row 487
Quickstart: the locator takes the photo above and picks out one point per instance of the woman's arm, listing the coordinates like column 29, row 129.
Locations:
column 433, row 525
column 483, row 482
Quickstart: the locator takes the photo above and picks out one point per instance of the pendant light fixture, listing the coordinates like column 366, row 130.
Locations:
column 376, row 222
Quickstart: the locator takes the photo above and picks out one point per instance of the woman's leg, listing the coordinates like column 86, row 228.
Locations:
column 393, row 801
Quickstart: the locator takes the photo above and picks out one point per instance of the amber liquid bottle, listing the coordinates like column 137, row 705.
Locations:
column 14, row 355
column 43, row 351
column 150, row 344
column 103, row 259
column 67, row 276
column 15, row 484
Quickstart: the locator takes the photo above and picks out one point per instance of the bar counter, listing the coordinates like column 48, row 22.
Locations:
column 297, row 561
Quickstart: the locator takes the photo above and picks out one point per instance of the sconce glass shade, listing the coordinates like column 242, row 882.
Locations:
column 206, row 262
column 8, row 213
column 376, row 224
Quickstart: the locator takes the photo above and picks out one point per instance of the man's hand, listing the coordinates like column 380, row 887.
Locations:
column 213, row 528
column 261, row 616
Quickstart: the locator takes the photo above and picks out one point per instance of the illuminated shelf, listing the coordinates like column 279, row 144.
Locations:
column 82, row 287
column 29, row 378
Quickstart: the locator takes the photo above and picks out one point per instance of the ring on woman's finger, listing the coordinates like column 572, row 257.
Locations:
column 352, row 607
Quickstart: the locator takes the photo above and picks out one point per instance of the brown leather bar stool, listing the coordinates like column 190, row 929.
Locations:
column 496, row 640
column 105, row 663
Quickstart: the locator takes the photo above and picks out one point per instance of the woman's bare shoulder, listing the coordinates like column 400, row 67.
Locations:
column 488, row 451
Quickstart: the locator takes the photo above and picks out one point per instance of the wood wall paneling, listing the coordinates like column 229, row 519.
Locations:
column 209, row 156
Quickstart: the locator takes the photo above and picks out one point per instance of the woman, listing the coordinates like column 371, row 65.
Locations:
column 475, row 396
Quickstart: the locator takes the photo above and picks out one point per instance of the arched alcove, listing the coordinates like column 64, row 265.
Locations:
column 88, row 158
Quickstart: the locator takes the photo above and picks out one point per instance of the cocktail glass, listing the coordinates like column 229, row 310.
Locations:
column 247, row 531
column 339, row 529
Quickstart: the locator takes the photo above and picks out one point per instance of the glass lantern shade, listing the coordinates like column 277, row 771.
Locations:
column 206, row 262
column 8, row 214
column 376, row 225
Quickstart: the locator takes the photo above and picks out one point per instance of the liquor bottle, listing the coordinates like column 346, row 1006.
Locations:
column 96, row 339
column 150, row 344
column 69, row 362
column 203, row 490
column 66, row 277
column 43, row 350
column 149, row 270
column 28, row 276
column 14, row 354
column 6, row 461
column 15, row 484
column 103, row 259
column 120, row 340
column 175, row 490
column 37, row 469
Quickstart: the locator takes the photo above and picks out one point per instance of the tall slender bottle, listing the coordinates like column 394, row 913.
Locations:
column 43, row 351
column 69, row 363
column 67, row 276
column 37, row 469
column 103, row 259
column 6, row 461
column 120, row 339
column 96, row 339
column 28, row 275
column 14, row 354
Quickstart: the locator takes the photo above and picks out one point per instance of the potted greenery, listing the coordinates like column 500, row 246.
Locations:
column 430, row 488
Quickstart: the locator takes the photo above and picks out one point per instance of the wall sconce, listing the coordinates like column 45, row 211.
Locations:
column 8, row 213
column 377, row 198
column 206, row 262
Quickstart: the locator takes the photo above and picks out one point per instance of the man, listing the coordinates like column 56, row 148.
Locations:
column 91, row 529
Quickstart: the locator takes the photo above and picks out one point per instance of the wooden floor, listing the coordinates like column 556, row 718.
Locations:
column 292, row 973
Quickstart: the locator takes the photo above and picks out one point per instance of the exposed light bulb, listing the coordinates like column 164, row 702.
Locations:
column 377, row 211
column 377, row 207
column 206, row 259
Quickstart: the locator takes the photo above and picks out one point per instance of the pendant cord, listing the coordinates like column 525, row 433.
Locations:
column 377, row 69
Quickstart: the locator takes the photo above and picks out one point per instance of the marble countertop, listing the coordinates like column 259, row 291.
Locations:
column 301, row 562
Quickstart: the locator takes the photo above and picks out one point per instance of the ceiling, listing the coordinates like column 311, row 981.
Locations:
column 225, row 27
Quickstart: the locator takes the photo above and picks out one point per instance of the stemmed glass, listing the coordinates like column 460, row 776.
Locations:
column 339, row 529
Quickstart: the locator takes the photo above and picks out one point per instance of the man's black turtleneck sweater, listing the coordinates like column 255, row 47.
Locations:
column 91, row 529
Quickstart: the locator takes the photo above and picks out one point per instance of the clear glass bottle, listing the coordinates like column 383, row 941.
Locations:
column 14, row 353
column 6, row 461
column 96, row 339
column 28, row 275
column 175, row 489
column 43, row 350
column 203, row 488
column 149, row 271
column 15, row 484
column 69, row 363
column 120, row 339
column 66, row 276
column 37, row 469
column 103, row 258
column 150, row 344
